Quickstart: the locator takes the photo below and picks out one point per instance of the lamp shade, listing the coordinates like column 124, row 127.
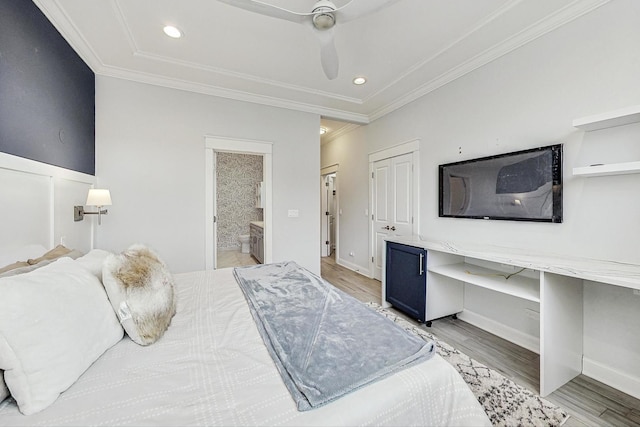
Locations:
column 98, row 197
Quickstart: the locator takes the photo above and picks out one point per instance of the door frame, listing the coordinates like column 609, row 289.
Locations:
column 328, row 170
column 409, row 147
column 214, row 144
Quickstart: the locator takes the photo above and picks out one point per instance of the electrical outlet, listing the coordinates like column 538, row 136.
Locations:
column 636, row 292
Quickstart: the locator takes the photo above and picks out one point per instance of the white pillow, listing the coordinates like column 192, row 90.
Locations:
column 141, row 292
column 54, row 323
column 93, row 260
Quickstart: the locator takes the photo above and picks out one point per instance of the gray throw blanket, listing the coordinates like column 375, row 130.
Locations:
column 324, row 342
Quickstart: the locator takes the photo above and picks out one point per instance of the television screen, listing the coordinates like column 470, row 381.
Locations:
column 520, row 186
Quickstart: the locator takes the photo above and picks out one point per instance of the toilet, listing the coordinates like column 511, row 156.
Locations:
column 244, row 241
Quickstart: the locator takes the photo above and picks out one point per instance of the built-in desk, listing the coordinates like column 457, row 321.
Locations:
column 553, row 282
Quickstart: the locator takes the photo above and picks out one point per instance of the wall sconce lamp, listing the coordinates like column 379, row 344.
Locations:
column 96, row 197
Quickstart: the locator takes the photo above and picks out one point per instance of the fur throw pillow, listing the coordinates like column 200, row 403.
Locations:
column 141, row 291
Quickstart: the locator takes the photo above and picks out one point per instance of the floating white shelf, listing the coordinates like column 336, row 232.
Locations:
column 624, row 116
column 517, row 285
column 610, row 169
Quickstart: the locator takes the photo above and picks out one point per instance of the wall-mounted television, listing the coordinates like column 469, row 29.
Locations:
column 520, row 186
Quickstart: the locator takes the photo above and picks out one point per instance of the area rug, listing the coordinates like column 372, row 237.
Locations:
column 505, row 402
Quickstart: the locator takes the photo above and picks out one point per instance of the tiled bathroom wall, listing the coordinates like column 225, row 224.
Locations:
column 236, row 177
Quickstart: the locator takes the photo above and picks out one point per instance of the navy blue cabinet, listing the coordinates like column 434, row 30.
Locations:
column 406, row 279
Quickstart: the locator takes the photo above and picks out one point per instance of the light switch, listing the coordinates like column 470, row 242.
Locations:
column 293, row 213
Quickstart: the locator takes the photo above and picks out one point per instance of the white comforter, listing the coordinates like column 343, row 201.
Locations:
column 211, row 368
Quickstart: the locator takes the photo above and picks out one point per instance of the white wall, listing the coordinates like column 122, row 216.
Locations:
column 37, row 201
column 150, row 154
column 527, row 99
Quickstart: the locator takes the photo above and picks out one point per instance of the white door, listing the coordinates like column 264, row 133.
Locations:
column 324, row 222
column 332, row 213
column 392, row 203
column 328, row 206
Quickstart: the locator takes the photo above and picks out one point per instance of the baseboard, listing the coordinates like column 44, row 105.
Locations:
column 353, row 267
column 605, row 374
column 527, row 341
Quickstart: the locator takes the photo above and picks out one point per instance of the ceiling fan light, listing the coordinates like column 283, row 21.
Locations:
column 323, row 21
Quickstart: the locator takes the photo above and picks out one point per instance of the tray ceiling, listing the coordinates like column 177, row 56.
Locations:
column 405, row 50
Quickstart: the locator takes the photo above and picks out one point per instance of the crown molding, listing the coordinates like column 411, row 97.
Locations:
column 152, row 79
column 69, row 32
column 425, row 62
column 338, row 133
column 245, row 77
column 540, row 28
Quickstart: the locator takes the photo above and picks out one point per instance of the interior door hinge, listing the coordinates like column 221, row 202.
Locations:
column 215, row 218
column 371, row 259
column 371, row 217
column 326, row 213
column 371, row 174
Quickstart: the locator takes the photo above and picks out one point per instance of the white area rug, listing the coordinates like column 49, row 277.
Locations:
column 505, row 402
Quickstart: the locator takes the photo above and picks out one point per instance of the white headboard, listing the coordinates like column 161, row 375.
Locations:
column 36, row 205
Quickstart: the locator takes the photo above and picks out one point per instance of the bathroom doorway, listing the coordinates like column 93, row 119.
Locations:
column 238, row 202
column 239, row 219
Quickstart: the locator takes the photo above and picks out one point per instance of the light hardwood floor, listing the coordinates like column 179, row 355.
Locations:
column 589, row 402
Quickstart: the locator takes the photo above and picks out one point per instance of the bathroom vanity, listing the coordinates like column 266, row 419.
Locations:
column 256, row 233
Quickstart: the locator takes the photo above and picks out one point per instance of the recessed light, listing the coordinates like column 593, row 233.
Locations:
column 323, row 131
column 359, row 80
column 172, row 32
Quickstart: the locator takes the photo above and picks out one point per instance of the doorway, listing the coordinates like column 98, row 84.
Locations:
column 329, row 207
column 238, row 211
column 215, row 145
column 394, row 198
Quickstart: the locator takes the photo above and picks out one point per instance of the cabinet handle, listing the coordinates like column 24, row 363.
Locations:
column 421, row 264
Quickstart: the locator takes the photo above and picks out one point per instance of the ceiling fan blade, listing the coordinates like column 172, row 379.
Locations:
column 268, row 10
column 359, row 8
column 328, row 53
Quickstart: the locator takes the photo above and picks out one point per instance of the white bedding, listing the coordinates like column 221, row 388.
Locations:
column 211, row 368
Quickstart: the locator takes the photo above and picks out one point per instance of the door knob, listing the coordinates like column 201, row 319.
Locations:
column 393, row 228
column 385, row 228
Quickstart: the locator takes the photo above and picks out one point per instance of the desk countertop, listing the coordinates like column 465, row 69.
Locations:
column 611, row 272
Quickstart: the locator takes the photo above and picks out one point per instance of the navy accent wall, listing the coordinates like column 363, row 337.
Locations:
column 47, row 93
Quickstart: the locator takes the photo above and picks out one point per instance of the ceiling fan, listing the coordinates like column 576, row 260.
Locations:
column 323, row 17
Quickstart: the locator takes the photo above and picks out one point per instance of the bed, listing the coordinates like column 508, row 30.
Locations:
column 211, row 367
